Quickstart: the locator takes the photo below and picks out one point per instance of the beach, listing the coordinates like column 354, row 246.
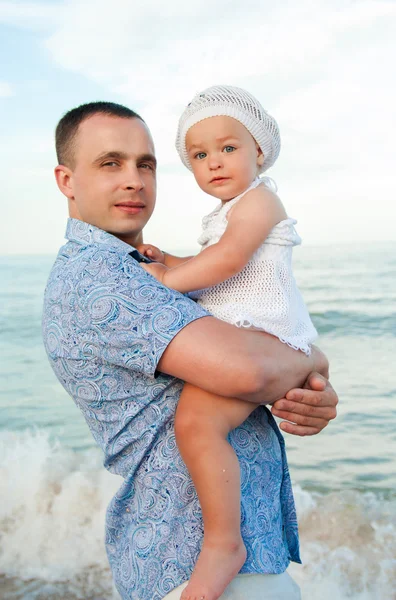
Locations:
column 55, row 489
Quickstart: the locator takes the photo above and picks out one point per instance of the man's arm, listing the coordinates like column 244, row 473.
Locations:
column 233, row 362
column 256, row 367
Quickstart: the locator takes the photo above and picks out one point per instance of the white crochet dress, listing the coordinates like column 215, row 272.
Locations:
column 264, row 295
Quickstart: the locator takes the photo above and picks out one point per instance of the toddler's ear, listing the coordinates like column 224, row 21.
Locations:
column 260, row 157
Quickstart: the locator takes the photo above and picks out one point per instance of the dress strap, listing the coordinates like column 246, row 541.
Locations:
column 267, row 181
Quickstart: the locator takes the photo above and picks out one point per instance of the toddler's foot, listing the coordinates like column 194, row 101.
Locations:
column 216, row 566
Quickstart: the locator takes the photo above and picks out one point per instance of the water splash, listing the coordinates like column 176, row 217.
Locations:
column 348, row 546
column 52, row 530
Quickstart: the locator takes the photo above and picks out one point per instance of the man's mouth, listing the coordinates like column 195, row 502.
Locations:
column 130, row 207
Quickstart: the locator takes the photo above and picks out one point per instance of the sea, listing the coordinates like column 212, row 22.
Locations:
column 54, row 490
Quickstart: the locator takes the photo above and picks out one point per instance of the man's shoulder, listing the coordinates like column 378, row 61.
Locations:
column 95, row 261
column 104, row 311
column 87, row 280
column 83, row 277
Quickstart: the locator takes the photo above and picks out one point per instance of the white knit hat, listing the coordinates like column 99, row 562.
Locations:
column 230, row 101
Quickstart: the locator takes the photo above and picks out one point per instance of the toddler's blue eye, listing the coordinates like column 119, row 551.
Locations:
column 200, row 155
column 229, row 149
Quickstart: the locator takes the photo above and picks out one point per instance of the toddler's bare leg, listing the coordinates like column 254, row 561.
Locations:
column 202, row 423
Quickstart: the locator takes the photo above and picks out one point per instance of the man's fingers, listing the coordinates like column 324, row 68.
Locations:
column 316, row 381
column 284, row 406
column 326, row 397
column 308, row 410
column 308, row 397
column 299, row 429
column 298, row 419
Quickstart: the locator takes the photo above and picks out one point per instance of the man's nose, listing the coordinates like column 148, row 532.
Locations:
column 133, row 180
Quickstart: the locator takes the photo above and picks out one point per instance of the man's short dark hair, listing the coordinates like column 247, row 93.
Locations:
column 66, row 130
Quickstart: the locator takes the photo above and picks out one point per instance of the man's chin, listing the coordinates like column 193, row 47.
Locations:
column 131, row 232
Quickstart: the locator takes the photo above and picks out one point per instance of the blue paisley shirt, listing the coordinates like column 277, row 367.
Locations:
column 106, row 323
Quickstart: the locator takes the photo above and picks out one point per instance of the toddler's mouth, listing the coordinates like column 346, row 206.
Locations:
column 218, row 179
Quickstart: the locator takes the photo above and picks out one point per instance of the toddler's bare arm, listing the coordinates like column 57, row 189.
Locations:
column 160, row 256
column 250, row 221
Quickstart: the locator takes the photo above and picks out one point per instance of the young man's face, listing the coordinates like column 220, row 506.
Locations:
column 112, row 184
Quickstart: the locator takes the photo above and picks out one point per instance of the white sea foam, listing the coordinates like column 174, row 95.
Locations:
column 348, row 546
column 52, row 513
column 52, row 528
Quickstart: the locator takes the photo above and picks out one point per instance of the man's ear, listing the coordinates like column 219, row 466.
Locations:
column 63, row 176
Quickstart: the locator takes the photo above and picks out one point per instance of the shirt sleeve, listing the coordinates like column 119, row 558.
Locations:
column 134, row 317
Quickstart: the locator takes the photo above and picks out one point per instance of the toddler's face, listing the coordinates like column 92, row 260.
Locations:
column 225, row 158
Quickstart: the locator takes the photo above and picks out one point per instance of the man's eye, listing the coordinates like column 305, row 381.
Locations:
column 229, row 148
column 200, row 155
column 110, row 163
column 148, row 166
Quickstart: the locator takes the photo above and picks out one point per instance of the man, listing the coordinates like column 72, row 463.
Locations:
column 121, row 345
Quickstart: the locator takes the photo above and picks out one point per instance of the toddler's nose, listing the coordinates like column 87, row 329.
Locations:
column 215, row 162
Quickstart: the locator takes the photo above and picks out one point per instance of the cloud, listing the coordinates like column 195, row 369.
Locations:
column 323, row 69
column 6, row 89
column 186, row 43
column 316, row 66
column 31, row 15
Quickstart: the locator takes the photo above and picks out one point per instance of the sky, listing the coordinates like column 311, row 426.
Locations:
column 324, row 69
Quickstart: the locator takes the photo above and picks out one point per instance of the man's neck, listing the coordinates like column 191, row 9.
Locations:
column 132, row 240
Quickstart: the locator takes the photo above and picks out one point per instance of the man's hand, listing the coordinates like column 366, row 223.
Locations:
column 308, row 410
column 156, row 270
column 151, row 252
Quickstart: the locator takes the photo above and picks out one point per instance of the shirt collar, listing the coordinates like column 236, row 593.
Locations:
column 86, row 234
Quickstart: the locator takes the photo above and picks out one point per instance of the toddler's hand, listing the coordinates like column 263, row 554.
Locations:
column 151, row 252
column 156, row 270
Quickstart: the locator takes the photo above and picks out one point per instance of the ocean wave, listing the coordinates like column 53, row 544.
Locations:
column 348, row 545
column 52, row 518
column 52, row 529
column 344, row 323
